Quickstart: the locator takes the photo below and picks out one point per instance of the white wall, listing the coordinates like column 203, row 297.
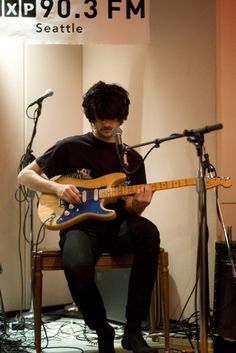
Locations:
column 57, row 67
column 172, row 87
column 12, row 142
column 179, row 93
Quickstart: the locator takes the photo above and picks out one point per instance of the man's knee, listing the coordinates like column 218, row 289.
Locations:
column 146, row 233
column 79, row 272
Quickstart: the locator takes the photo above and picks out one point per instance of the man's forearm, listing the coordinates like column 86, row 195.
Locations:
column 36, row 182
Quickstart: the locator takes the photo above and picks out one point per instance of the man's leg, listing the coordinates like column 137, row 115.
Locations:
column 80, row 253
column 144, row 237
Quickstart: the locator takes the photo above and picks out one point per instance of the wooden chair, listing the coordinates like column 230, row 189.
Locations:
column 50, row 260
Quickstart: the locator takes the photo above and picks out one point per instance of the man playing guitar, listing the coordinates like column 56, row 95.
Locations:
column 87, row 157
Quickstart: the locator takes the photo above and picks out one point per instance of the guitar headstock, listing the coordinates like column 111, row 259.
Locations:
column 212, row 182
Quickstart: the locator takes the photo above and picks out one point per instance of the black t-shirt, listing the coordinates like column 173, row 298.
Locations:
column 86, row 157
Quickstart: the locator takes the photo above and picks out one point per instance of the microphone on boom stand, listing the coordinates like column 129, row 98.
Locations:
column 120, row 148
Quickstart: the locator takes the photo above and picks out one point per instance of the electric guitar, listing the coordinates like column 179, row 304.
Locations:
column 57, row 214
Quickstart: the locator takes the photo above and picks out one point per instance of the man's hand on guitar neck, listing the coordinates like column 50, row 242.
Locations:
column 140, row 200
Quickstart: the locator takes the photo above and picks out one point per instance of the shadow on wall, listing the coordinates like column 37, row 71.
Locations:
column 175, row 301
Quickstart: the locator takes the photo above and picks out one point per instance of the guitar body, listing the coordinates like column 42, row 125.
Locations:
column 59, row 215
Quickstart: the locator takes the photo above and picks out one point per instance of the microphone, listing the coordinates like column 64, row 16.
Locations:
column 49, row 92
column 117, row 132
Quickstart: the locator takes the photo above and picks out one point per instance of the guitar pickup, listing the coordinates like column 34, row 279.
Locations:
column 84, row 196
column 95, row 195
column 61, row 203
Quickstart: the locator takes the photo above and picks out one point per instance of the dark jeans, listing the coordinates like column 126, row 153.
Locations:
column 82, row 248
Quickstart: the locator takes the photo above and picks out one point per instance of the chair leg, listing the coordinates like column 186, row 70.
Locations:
column 37, row 295
column 153, row 309
column 165, row 296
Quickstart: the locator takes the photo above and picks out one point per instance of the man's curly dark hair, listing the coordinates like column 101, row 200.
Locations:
column 106, row 101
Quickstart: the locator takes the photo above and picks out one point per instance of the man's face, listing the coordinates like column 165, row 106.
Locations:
column 102, row 129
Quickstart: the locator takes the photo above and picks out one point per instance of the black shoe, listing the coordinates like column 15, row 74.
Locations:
column 106, row 337
column 134, row 341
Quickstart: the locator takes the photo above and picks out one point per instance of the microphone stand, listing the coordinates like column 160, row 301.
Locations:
column 27, row 158
column 198, row 140
column 197, row 137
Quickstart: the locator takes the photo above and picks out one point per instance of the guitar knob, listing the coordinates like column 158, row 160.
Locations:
column 66, row 213
column 71, row 206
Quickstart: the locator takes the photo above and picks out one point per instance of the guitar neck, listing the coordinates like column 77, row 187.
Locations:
column 127, row 190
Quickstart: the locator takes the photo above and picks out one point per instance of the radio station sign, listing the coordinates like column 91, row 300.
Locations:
column 75, row 21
